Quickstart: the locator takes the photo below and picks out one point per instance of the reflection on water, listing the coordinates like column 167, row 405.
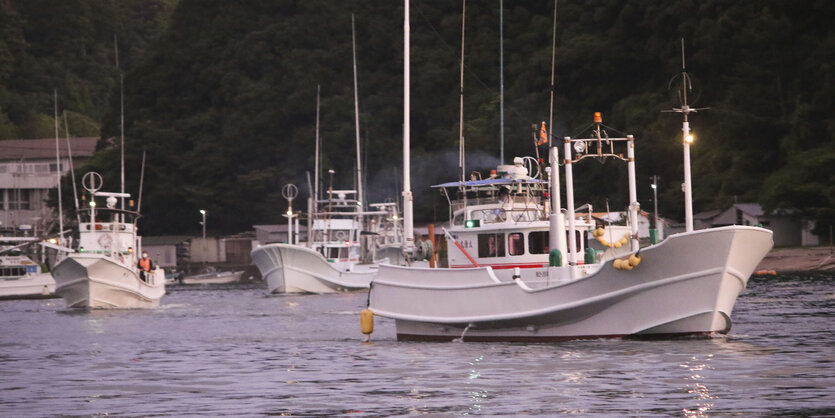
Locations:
column 235, row 351
column 698, row 365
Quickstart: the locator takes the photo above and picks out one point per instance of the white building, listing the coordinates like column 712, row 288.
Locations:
column 28, row 170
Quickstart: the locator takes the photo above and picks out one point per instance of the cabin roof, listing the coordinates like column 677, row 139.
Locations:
column 490, row 182
column 17, row 149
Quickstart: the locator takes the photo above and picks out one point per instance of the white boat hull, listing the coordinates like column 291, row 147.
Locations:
column 213, row 278
column 31, row 285
column 96, row 282
column 687, row 284
column 294, row 269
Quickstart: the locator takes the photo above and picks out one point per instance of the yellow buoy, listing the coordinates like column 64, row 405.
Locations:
column 598, row 232
column 367, row 321
column 618, row 244
column 605, row 243
column 626, row 266
column 624, row 240
column 618, row 263
column 634, row 260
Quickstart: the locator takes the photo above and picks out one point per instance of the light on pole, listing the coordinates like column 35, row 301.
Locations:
column 205, row 246
column 654, row 186
column 656, row 234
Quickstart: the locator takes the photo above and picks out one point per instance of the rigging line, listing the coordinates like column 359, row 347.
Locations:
column 454, row 53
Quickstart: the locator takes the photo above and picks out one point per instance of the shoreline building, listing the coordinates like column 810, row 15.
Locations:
column 28, row 170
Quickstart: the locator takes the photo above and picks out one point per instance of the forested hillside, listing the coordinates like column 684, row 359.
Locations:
column 69, row 45
column 224, row 100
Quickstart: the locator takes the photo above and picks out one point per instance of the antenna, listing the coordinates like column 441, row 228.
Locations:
column 687, row 139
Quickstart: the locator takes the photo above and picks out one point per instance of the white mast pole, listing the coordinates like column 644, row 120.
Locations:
column 408, row 222
column 569, row 201
column 633, row 192
column 686, row 139
column 501, row 81
column 315, row 207
column 357, row 120
column 557, row 219
column 316, row 159
column 58, row 173
column 557, row 235
column 461, row 148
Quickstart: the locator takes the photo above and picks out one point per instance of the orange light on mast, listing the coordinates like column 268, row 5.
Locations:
column 598, row 118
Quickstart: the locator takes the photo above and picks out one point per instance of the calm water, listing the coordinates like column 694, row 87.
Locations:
column 235, row 351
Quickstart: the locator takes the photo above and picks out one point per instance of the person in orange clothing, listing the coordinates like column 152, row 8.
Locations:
column 145, row 266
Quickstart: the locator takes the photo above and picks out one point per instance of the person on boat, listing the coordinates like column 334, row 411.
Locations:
column 145, row 266
column 504, row 195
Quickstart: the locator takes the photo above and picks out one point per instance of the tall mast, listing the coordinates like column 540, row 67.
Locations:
column 553, row 61
column 408, row 222
column 58, row 173
column 316, row 156
column 121, row 119
column 687, row 138
column 72, row 169
column 501, row 82
column 461, row 149
column 357, row 120
column 557, row 236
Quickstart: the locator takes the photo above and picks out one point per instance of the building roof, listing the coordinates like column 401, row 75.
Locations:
column 277, row 228
column 17, row 149
column 165, row 239
column 708, row 214
column 753, row 209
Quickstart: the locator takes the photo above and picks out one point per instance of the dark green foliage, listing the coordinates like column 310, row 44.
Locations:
column 68, row 45
column 224, row 102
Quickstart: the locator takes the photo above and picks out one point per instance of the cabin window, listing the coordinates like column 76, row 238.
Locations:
column 526, row 215
column 489, row 216
column 491, row 245
column 516, row 243
column 340, row 235
column 578, row 239
column 343, row 253
column 54, row 167
column 458, row 219
column 538, row 242
column 333, row 252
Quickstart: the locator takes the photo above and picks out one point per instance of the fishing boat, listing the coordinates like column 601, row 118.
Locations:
column 342, row 253
column 345, row 242
column 210, row 277
column 103, row 273
column 20, row 276
column 516, row 287
column 684, row 285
